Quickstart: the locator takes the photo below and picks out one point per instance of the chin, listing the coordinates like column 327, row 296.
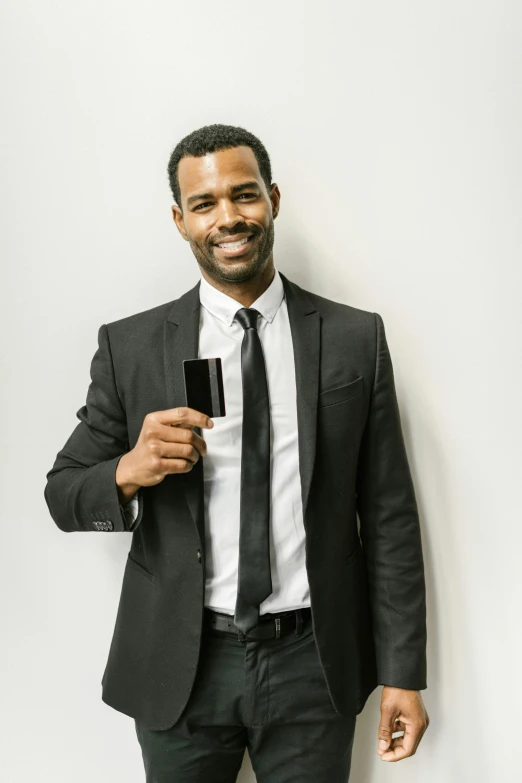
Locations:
column 239, row 270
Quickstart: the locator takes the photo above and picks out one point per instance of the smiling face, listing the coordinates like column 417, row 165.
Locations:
column 227, row 213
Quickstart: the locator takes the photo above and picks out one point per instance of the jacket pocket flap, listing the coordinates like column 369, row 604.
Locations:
column 341, row 393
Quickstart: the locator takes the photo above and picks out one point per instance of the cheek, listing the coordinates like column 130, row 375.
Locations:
column 198, row 231
column 261, row 221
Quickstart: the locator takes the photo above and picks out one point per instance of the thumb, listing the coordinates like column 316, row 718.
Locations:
column 385, row 731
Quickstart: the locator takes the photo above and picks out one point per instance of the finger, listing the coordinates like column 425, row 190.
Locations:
column 403, row 746
column 414, row 729
column 183, row 451
column 174, row 442
column 175, row 417
column 169, row 466
column 181, row 434
column 398, row 728
column 395, row 753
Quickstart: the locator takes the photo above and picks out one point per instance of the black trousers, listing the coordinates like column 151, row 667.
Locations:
column 269, row 696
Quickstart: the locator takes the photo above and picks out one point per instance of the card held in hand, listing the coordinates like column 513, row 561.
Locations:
column 204, row 386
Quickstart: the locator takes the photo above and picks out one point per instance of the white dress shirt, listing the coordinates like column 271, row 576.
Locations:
column 221, row 336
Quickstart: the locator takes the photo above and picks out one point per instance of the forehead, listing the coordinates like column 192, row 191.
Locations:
column 217, row 170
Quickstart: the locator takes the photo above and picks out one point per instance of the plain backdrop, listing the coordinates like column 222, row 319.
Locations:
column 395, row 136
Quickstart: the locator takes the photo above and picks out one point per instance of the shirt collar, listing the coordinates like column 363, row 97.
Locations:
column 225, row 307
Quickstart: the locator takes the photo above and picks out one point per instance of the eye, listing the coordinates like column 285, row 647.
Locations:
column 201, row 206
column 248, row 195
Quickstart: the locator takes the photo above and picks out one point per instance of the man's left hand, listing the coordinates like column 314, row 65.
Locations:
column 401, row 710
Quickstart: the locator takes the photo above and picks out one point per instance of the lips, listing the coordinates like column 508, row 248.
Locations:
column 234, row 246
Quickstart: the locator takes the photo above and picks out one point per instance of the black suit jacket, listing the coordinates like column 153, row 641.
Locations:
column 367, row 587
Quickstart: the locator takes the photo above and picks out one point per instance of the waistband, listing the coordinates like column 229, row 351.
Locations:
column 270, row 626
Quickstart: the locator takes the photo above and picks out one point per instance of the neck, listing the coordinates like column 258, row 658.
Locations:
column 247, row 291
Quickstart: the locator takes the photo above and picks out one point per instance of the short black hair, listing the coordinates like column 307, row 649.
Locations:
column 212, row 138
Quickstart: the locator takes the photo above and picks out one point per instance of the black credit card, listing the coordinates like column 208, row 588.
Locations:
column 204, row 386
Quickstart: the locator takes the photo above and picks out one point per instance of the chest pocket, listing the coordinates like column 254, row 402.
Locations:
column 341, row 393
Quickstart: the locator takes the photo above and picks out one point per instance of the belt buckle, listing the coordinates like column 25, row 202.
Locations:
column 242, row 637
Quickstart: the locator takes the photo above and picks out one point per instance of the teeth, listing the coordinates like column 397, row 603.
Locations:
column 233, row 245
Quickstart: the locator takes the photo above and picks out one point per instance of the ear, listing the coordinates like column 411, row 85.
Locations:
column 275, row 198
column 177, row 216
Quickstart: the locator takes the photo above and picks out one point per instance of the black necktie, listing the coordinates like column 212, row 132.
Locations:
column 254, row 577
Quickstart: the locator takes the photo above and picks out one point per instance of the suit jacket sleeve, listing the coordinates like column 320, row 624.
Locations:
column 81, row 491
column 390, row 535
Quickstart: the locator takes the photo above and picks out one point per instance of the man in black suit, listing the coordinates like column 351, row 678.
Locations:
column 254, row 612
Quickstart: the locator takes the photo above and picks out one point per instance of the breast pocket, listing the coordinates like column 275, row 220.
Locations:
column 341, row 393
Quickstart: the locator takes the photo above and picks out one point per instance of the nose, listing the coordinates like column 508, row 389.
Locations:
column 228, row 214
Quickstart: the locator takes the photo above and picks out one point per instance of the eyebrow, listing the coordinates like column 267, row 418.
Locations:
column 234, row 189
column 245, row 186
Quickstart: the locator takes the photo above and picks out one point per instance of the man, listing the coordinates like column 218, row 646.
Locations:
column 253, row 612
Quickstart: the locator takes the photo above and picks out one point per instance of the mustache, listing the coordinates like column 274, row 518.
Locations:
column 240, row 228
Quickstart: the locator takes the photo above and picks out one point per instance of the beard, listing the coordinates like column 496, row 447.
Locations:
column 242, row 269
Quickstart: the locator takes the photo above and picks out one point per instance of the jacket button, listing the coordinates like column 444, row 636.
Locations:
column 199, row 555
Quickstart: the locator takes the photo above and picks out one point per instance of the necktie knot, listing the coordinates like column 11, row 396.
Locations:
column 247, row 317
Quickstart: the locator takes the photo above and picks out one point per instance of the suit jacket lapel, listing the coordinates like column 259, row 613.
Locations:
column 181, row 341
column 306, row 338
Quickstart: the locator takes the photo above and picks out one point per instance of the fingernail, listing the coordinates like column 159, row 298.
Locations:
column 383, row 744
column 210, row 423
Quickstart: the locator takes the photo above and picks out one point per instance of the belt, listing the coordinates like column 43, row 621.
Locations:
column 271, row 626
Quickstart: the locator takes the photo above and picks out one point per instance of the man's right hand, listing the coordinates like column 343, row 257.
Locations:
column 167, row 444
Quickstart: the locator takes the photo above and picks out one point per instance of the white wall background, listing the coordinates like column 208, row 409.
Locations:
column 395, row 134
